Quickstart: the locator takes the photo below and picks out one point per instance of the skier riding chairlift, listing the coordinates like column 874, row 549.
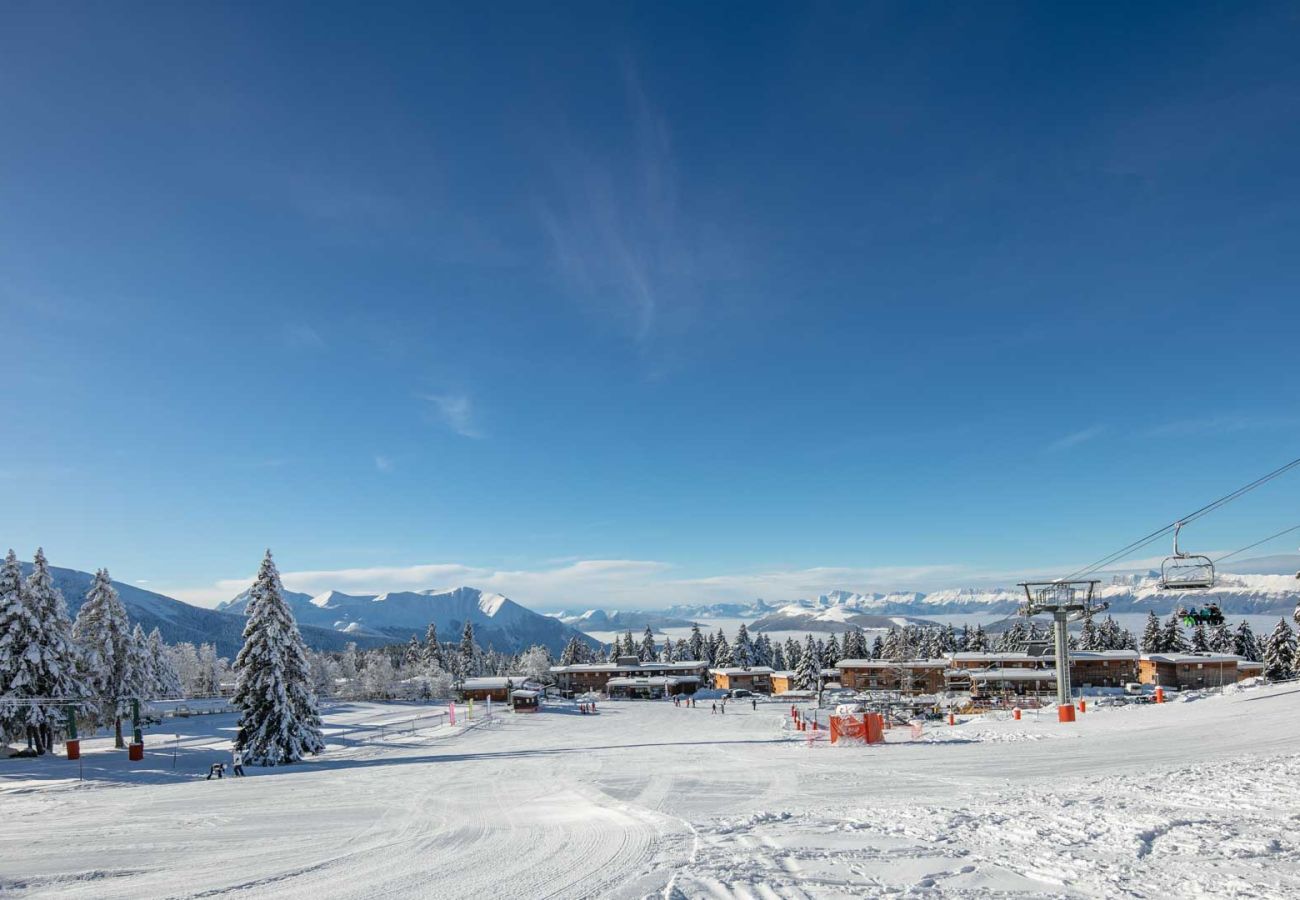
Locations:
column 1205, row 615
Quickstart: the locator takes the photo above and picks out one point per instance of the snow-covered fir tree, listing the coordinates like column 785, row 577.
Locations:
column 103, row 635
column 695, row 644
column 778, row 660
column 855, row 644
column 1245, row 644
column 722, row 658
column 1172, row 639
column 1221, row 639
column 50, row 665
column 808, row 668
column 19, row 632
column 979, row 641
column 791, row 653
column 144, row 680
column 1279, row 653
column 647, row 651
column 1088, row 637
column 1200, row 642
column 831, row 654
column 742, row 651
column 878, row 648
column 167, row 684
column 278, row 721
column 666, row 653
column 572, row 652
column 433, row 657
column 1153, row 639
column 469, row 656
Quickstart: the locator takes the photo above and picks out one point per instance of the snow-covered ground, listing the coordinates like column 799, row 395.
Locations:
column 1193, row 798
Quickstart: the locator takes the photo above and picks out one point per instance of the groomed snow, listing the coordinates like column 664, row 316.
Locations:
column 1193, row 798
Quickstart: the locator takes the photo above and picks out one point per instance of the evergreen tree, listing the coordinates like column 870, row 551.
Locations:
column 695, row 644
column 948, row 641
column 51, row 660
column 647, row 651
column 19, row 633
column 144, row 679
column 1172, row 639
column 963, row 642
column 778, row 661
column 1221, row 639
column 763, row 651
column 1088, row 637
column 1279, row 653
column 722, row 657
column 629, row 645
column 979, row 640
column 791, row 654
column 832, row 654
column 878, row 648
column 742, row 652
column 432, row 649
column 666, row 654
column 167, row 684
column 278, row 720
column 103, row 635
column 569, row 656
column 1153, row 640
column 855, row 644
column 808, row 670
column 1200, row 640
column 1245, row 644
column 468, row 651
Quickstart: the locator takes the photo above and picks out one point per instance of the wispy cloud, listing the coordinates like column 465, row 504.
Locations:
column 383, row 464
column 300, row 336
column 1228, row 424
column 1076, row 438
column 456, row 411
column 618, row 231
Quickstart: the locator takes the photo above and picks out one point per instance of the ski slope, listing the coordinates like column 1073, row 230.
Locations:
column 1191, row 798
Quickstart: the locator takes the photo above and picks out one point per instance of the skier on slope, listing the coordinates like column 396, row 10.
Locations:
column 237, row 763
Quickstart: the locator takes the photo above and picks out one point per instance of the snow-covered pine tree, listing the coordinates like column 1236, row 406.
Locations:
column 19, row 632
column 893, row 646
column 695, row 644
column 1088, row 637
column 1245, row 644
column 278, row 721
column 948, row 640
column 468, row 651
column 831, row 654
column 414, row 652
column 1172, row 639
column 778, row 661
column 569, row 656
column 1221, row 639
column 853, row 644
column 878, row 648
column 57, row 674
column 666, row 654
column 791, row 653
column 1153, row 639
column 432, row 648
column 167, row 684
column 722, row 655
column 808, row 669
column 742, row 651
column 143, row 677
column 1279, row 653
column 979, row 640
column 103, row 635
column 647, row 651
column 1200, row 640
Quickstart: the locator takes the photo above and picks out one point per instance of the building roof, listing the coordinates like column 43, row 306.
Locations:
column 1182, row 658
column 738, row 670
column 1012, row 674
column 492, row 682
column 638, row 667
column 892, row 664
column 524, row 695
column 784, row 673
column 653, row 681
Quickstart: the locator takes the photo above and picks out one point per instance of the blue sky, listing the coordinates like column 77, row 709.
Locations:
column 608, row 304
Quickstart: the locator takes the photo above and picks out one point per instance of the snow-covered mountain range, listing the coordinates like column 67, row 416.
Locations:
column 395, row 616
column 1236, row 594
column 178, row 621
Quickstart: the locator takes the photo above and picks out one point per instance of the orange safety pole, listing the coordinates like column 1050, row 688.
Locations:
column 1065, row 713
column 952, row 719
column 1083, row 705
column 1160, row 694
column 1015, row 713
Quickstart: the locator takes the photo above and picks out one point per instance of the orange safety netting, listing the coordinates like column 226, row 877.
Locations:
column 868, row 728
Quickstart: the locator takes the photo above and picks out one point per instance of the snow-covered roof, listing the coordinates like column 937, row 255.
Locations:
column 786, row 673
column 1182, row 658
column 491, row 682
column 1013, row 675
column 687, row 665
column 737, row 670
column 524, row 695
column 891, row 664
column 653, row 681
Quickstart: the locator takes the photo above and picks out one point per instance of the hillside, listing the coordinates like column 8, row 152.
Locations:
column 394, row 616
column 180, row 622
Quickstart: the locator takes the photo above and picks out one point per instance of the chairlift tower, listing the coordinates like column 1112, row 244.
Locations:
column 1066, row 602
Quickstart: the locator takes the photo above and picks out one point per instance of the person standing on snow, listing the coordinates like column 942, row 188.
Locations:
column 237, row 758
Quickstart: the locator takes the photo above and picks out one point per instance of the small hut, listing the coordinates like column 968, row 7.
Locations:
column 524, row 701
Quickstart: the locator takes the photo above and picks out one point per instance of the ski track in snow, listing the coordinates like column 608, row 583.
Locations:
column 1193, row 798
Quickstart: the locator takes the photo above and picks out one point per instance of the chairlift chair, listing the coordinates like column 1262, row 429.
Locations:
column 1186, row 571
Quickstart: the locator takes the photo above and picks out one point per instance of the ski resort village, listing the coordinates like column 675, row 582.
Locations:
column 649, row 451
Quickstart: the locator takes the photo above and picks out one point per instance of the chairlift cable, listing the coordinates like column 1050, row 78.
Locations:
column 1257, row 543
column 1191, row 517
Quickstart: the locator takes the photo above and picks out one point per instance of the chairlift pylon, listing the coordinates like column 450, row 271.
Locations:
column 1186, row 571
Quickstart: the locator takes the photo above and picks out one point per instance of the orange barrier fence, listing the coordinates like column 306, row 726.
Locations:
column 869, row 728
